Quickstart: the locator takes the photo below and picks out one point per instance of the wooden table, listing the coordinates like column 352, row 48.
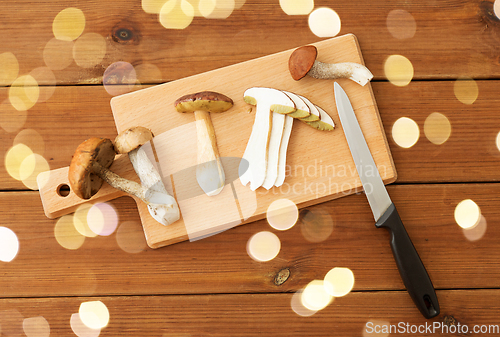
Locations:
column 212, row 287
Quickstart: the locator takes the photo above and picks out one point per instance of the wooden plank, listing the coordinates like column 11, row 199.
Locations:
column 460, row 43
column 221, row 264
column 267, row 314
column 74, row 114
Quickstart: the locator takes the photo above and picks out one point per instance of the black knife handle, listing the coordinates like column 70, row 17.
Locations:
column 412, row 270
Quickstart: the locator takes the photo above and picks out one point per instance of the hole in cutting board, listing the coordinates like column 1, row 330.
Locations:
column 63, row 190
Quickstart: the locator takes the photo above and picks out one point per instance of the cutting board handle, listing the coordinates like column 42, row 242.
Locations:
column 58, row 199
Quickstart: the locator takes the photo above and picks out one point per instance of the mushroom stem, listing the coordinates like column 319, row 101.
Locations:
column 354, row 71
column 122, row 184
column 162, row 206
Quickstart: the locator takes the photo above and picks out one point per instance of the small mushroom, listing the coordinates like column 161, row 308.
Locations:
column 209, row 171
column 303, row 62
column 162, row 206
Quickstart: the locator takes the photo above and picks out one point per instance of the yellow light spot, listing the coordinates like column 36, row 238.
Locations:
column 216, row 9
column 94, row 314
column 316, row 225
column 102, row 219
column 339, row 281
column 437, row 128
column 401, row 24
column 376, row 328
column 11, row 119
column 9, row 68
column 14, row 161
column 148, row 73
column 9, row 244
column 89, row 50
column 206, row 7
column 176, row 14
column 324, row 22
column 46, row 82
column 58, row 54
column 398, row 70
column 66, row 234
column 36, row 327
column 467, row 214
column 405, row 132
column 119, row 78
column 152, row 6
column 68, row 24
column 80, row 329
column 35, row 164
column 466, row 90
column 476, row 232
column 239, row 3
column 130, row 237
column 32, row 139
column 498, row 141
column 24, row 93
column 282, row 214
column 297, row 7
column 80, row 221
column 298, row 307
column 315, row 297
column 263, row 246
column 496, row 8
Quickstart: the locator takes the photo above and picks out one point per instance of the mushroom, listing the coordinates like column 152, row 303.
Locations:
column 265, row 136
column 161, row 205
column 303, row 62
column 209, row 171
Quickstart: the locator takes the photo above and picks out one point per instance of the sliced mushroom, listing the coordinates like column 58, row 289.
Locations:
column 266, row 100
column 162, row 206
column 287, row 131
column 303, row 62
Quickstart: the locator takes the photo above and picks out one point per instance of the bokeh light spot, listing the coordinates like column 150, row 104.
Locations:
column 9, row 244
column 46, row 82
column 298, row 307
column 35, row 164
column 496, row 8
column 437, row 128
column 14, row 160
column 497, row 141
column 68, row 24
column 58, row 54
column 176, row 14
column 102, row 219
column 466, row 90
column 401, row 24
column 398, row 70
column 315, row 297
column 405, row 132
column 36, row 327
column 32, row 139
column 11, row 322
column 9, row 68
column 94, row 314
column 216, row 9
column 324, row 22
column 89, row 50
column 66, row 234
column 339, row 281
column 282, row 214
column 297, row 7
column 316, row 225
column 80, row 329
column 148, row 73
column 263, row 246
column 80, row 221
column 130, row 237
column 24, row 93
column 119, row 78
column 152, row 6
column 11, row 119
column 467, row 214
column 476, row 232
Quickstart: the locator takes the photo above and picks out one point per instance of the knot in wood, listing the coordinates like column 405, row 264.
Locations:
column 125, row 33
column 282, row 276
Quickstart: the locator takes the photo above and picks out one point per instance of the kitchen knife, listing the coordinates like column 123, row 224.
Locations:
column 411, row 268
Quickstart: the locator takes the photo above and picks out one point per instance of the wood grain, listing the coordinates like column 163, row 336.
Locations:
column 266, row 314
column 449, row 41
column 340, row 232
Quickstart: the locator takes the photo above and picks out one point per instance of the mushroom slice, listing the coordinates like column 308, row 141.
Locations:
column 266, row 100
column 287, row 131
column 314, row 116
column 325, row 122
column 278, row 125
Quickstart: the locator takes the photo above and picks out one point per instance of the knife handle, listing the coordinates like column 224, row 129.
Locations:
column 412, row 270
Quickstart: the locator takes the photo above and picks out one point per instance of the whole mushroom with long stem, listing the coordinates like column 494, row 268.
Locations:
column 303, row 62
column 162, row 206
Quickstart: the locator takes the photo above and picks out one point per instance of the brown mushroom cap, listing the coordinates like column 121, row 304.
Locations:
column 301, row 61
column 209, row 101
column 82, row 179
column 132, row 138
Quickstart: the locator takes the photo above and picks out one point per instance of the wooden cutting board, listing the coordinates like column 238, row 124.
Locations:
column 319, row 164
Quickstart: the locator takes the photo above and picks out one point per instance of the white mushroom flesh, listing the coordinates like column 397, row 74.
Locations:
column 287, row 131
column 278, row 125
column 353, row 71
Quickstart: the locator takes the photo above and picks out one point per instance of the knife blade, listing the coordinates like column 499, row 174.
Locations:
column 410, row 266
